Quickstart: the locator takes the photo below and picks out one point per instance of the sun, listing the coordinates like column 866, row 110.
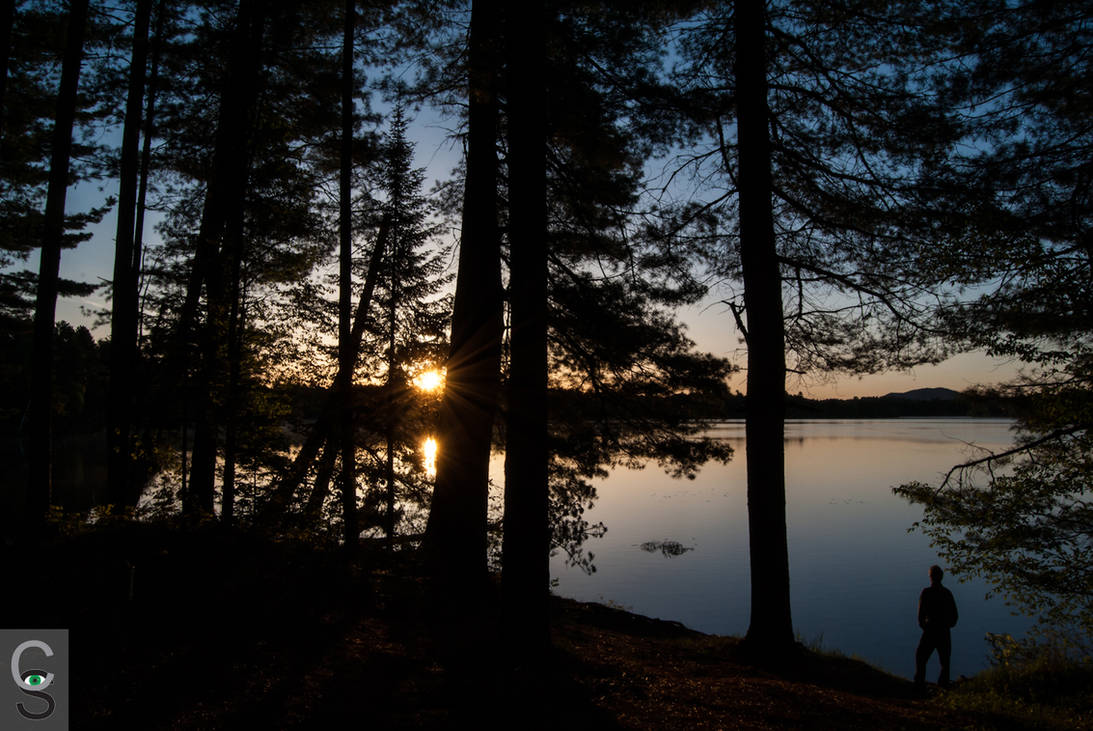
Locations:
column 432, row 380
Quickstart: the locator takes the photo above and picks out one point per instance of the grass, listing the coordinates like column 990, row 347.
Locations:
column 1042, row 690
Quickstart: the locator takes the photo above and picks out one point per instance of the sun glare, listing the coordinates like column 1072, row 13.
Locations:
column 430, row 380
column 429, row 447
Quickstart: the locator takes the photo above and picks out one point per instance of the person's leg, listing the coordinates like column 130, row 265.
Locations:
column 922, row 654
column 944, row 651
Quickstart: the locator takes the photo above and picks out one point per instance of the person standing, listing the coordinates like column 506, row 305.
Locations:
column 936, row 616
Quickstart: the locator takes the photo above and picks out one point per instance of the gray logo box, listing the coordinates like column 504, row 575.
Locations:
column 35, row 687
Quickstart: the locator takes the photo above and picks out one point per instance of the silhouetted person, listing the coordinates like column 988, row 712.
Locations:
column 936, row 615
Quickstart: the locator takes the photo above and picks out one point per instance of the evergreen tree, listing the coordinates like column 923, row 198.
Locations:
column 123, row 322
column 455, row 539
column 526, row 547
column 607, row 273
column 854, row 144
column 53, row 224
column 408, row 327
column 34, row 45
column 346, row 352
column 265, row 287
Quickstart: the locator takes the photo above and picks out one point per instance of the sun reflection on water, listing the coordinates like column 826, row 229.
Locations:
column 429, row 447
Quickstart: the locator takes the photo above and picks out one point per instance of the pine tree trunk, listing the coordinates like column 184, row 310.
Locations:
column 41, row 393
column 235, row 385
column 314, row 506
column 771, row 627
column 455, row 539
column 7, row 20
column 224, row 205
column 526, row 547
column 123, row 321
column 391, row 406
column 389, row 511
column 145, row 168
column 346, row 353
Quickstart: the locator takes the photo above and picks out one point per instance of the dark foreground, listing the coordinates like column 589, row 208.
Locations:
column 206, row 629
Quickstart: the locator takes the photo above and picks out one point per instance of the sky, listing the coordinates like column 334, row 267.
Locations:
column 709, row 323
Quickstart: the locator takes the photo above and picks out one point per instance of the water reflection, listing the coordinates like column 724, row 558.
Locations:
column 855, row 570
column 666, row 548
column 428, row 449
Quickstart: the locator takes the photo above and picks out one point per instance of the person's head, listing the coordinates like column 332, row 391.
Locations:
column 935, row 574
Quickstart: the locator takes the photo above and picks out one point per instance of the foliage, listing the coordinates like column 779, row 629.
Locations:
column 1036, row 685
column 79, row 378
column 1023, row 518
column 26, row 128
column 1026, row 524
column 862, row 134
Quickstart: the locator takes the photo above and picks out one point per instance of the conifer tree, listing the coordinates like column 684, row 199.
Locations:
column 345, row 285
column 410, row 318
column 53, row 224
column 853, row 151
column 455, row 539
column 526, row 547
column 123, row 322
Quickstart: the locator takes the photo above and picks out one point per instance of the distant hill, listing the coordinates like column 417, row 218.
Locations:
column 925, row 394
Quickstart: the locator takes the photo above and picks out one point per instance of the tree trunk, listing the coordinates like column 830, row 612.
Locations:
column 771, row 627
column 455, row 539
column 123, row 321
column 145, row 167
column 526, row 547
column 222, row 224
column 391, row 400
column 346, row 359
column 389, row 508
column 41, row 392
column 235, row 385
column 314, row 506
column 183, row 472
column 7, row 20
column 285, row 488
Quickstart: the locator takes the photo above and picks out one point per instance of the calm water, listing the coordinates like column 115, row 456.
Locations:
column 855, row 571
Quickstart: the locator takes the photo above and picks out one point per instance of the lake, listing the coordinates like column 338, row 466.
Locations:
column 855, row 571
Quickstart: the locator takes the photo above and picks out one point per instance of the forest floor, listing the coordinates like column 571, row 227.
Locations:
column 208, row 629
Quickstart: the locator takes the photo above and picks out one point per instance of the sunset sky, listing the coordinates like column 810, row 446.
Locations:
column 709, row 323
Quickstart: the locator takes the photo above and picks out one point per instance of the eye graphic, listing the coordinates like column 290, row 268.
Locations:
column 34, row 680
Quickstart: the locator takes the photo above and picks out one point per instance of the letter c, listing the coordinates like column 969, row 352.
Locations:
column 17, row 655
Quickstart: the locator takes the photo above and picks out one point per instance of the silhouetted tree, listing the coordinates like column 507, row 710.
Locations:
column 853, row 152
column 53, row 223
column 409, row 327
column 526, row 548
column 771, row 625
column 123, row 322
column 7, row 22
column 346, row 352
column 455, row 539
column 220, row 241
column 34, row 49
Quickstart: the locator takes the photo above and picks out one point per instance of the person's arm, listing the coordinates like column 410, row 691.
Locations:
column 922, row 609
column 952, row 610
